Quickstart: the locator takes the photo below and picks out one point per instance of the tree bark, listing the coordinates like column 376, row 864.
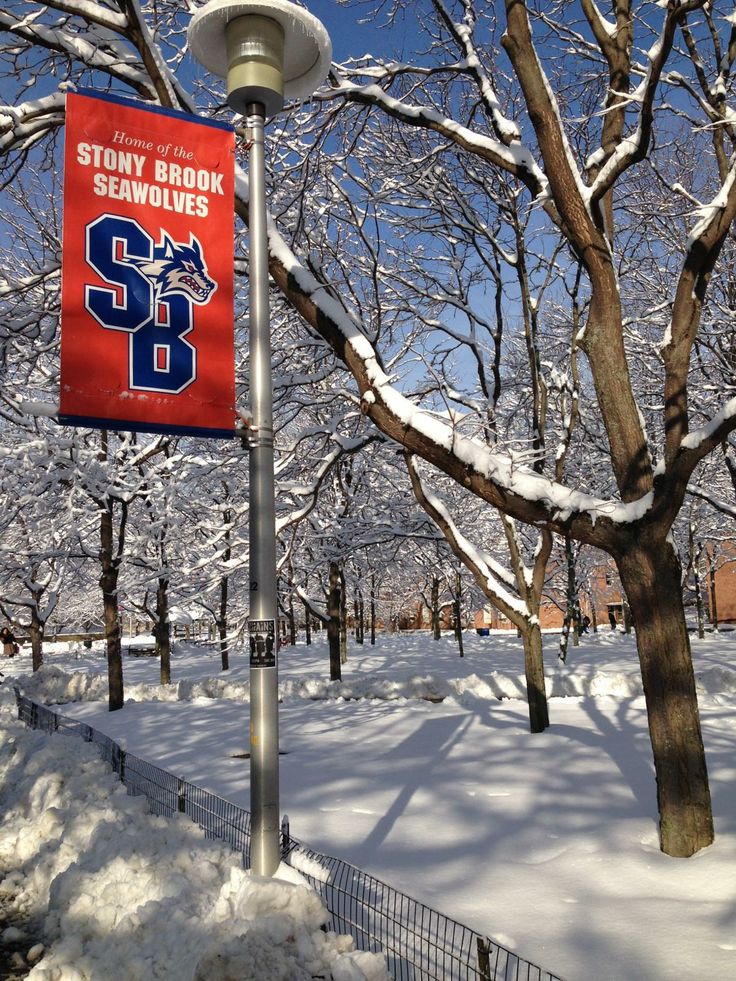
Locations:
column 163, row 631
column 572, row 615
column 333, row 622
column 627, row 615
column 712, row 589
column 291, row 620
column 373, row 608
column 222, row 623
column 343, row 619
column 307, row 626
column 36, row 631
column 651, row 576
column 696, row 555
column 534, row 672
column 109, row 586
column 459, row 628
column 458, row 610
column 435, row 608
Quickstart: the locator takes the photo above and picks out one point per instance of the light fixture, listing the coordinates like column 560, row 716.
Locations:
column 269, row 50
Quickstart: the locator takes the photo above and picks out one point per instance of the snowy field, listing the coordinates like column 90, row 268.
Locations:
column 420, row 769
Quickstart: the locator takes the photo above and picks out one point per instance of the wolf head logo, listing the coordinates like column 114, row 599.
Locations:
column 179, row 268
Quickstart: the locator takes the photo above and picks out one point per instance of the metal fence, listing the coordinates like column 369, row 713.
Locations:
column 419, row 943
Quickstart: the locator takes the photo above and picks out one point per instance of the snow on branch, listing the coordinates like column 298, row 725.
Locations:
column 97, row 13
column 495, row 579
column 23, row 125
column 506, row 129
column 501, row 478
column 634, row 148
column 95, row 50
column 311, row 605
column 703, row 439
column 718, row 505
column 516, row 159
column 711, row 213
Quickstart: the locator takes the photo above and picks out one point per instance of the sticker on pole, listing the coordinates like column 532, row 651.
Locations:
column 262, row 636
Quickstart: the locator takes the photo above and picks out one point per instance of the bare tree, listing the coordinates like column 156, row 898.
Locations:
column 529, row 114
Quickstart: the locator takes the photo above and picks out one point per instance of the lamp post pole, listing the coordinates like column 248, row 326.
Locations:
column 268, row 50
column 263, row 614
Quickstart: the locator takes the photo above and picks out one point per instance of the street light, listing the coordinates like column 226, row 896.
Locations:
column 269, row 51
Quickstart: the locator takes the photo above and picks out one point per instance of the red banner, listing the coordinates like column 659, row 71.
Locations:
column 147, row 275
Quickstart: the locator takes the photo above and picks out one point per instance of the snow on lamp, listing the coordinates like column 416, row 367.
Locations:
column 269, row 50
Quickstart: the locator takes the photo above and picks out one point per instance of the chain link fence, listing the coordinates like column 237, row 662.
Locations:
column 419, row 943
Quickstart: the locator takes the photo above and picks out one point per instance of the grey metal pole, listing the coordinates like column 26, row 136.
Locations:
column 262, row 617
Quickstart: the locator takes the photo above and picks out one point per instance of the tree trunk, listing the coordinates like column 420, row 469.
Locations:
column 291, row 619
column 712, row 588
column 36, row 631
column 534, row 670
column 564, row 639
column 333, row 622
column 109, row 586
column 628, row 619
column 572, row 616
column 343, row 620
column 652, row 580
column 163, row 631
column 222, row 624
column 457, row 607
column 593, row 614
column 458, row 629
column 435, row 609
column 373, row 608
column 307, row 626
column 699, row 603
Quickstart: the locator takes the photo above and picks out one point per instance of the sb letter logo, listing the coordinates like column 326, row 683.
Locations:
column 150, row 293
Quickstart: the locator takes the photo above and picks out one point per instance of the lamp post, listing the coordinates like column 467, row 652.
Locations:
column 269, row 50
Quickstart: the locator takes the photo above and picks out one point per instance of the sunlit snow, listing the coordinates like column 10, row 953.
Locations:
column 419, row 768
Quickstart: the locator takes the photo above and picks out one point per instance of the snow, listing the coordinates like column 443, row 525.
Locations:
column 419, row 769
column 502, row 469
column 707, row 214
column 515, row 157
column 694, row 439
column 80, row 855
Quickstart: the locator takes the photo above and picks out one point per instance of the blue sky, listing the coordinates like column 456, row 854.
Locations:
column 350, row 38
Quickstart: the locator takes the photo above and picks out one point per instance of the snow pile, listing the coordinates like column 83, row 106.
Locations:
column 55, row 686
column 123, row 895
column 424, row 687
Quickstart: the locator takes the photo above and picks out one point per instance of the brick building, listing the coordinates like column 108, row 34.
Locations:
column 604, row 596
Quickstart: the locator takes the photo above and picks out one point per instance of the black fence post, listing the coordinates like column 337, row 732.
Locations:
column 181, row 798
column 285, row 836
column 484, row 960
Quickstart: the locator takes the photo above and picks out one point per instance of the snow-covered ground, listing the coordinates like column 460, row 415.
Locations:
column 414, row 770
column 97, row 889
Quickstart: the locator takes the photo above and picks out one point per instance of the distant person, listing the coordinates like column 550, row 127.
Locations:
column 612, row 619
column 585, row 625
column 8, row 641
